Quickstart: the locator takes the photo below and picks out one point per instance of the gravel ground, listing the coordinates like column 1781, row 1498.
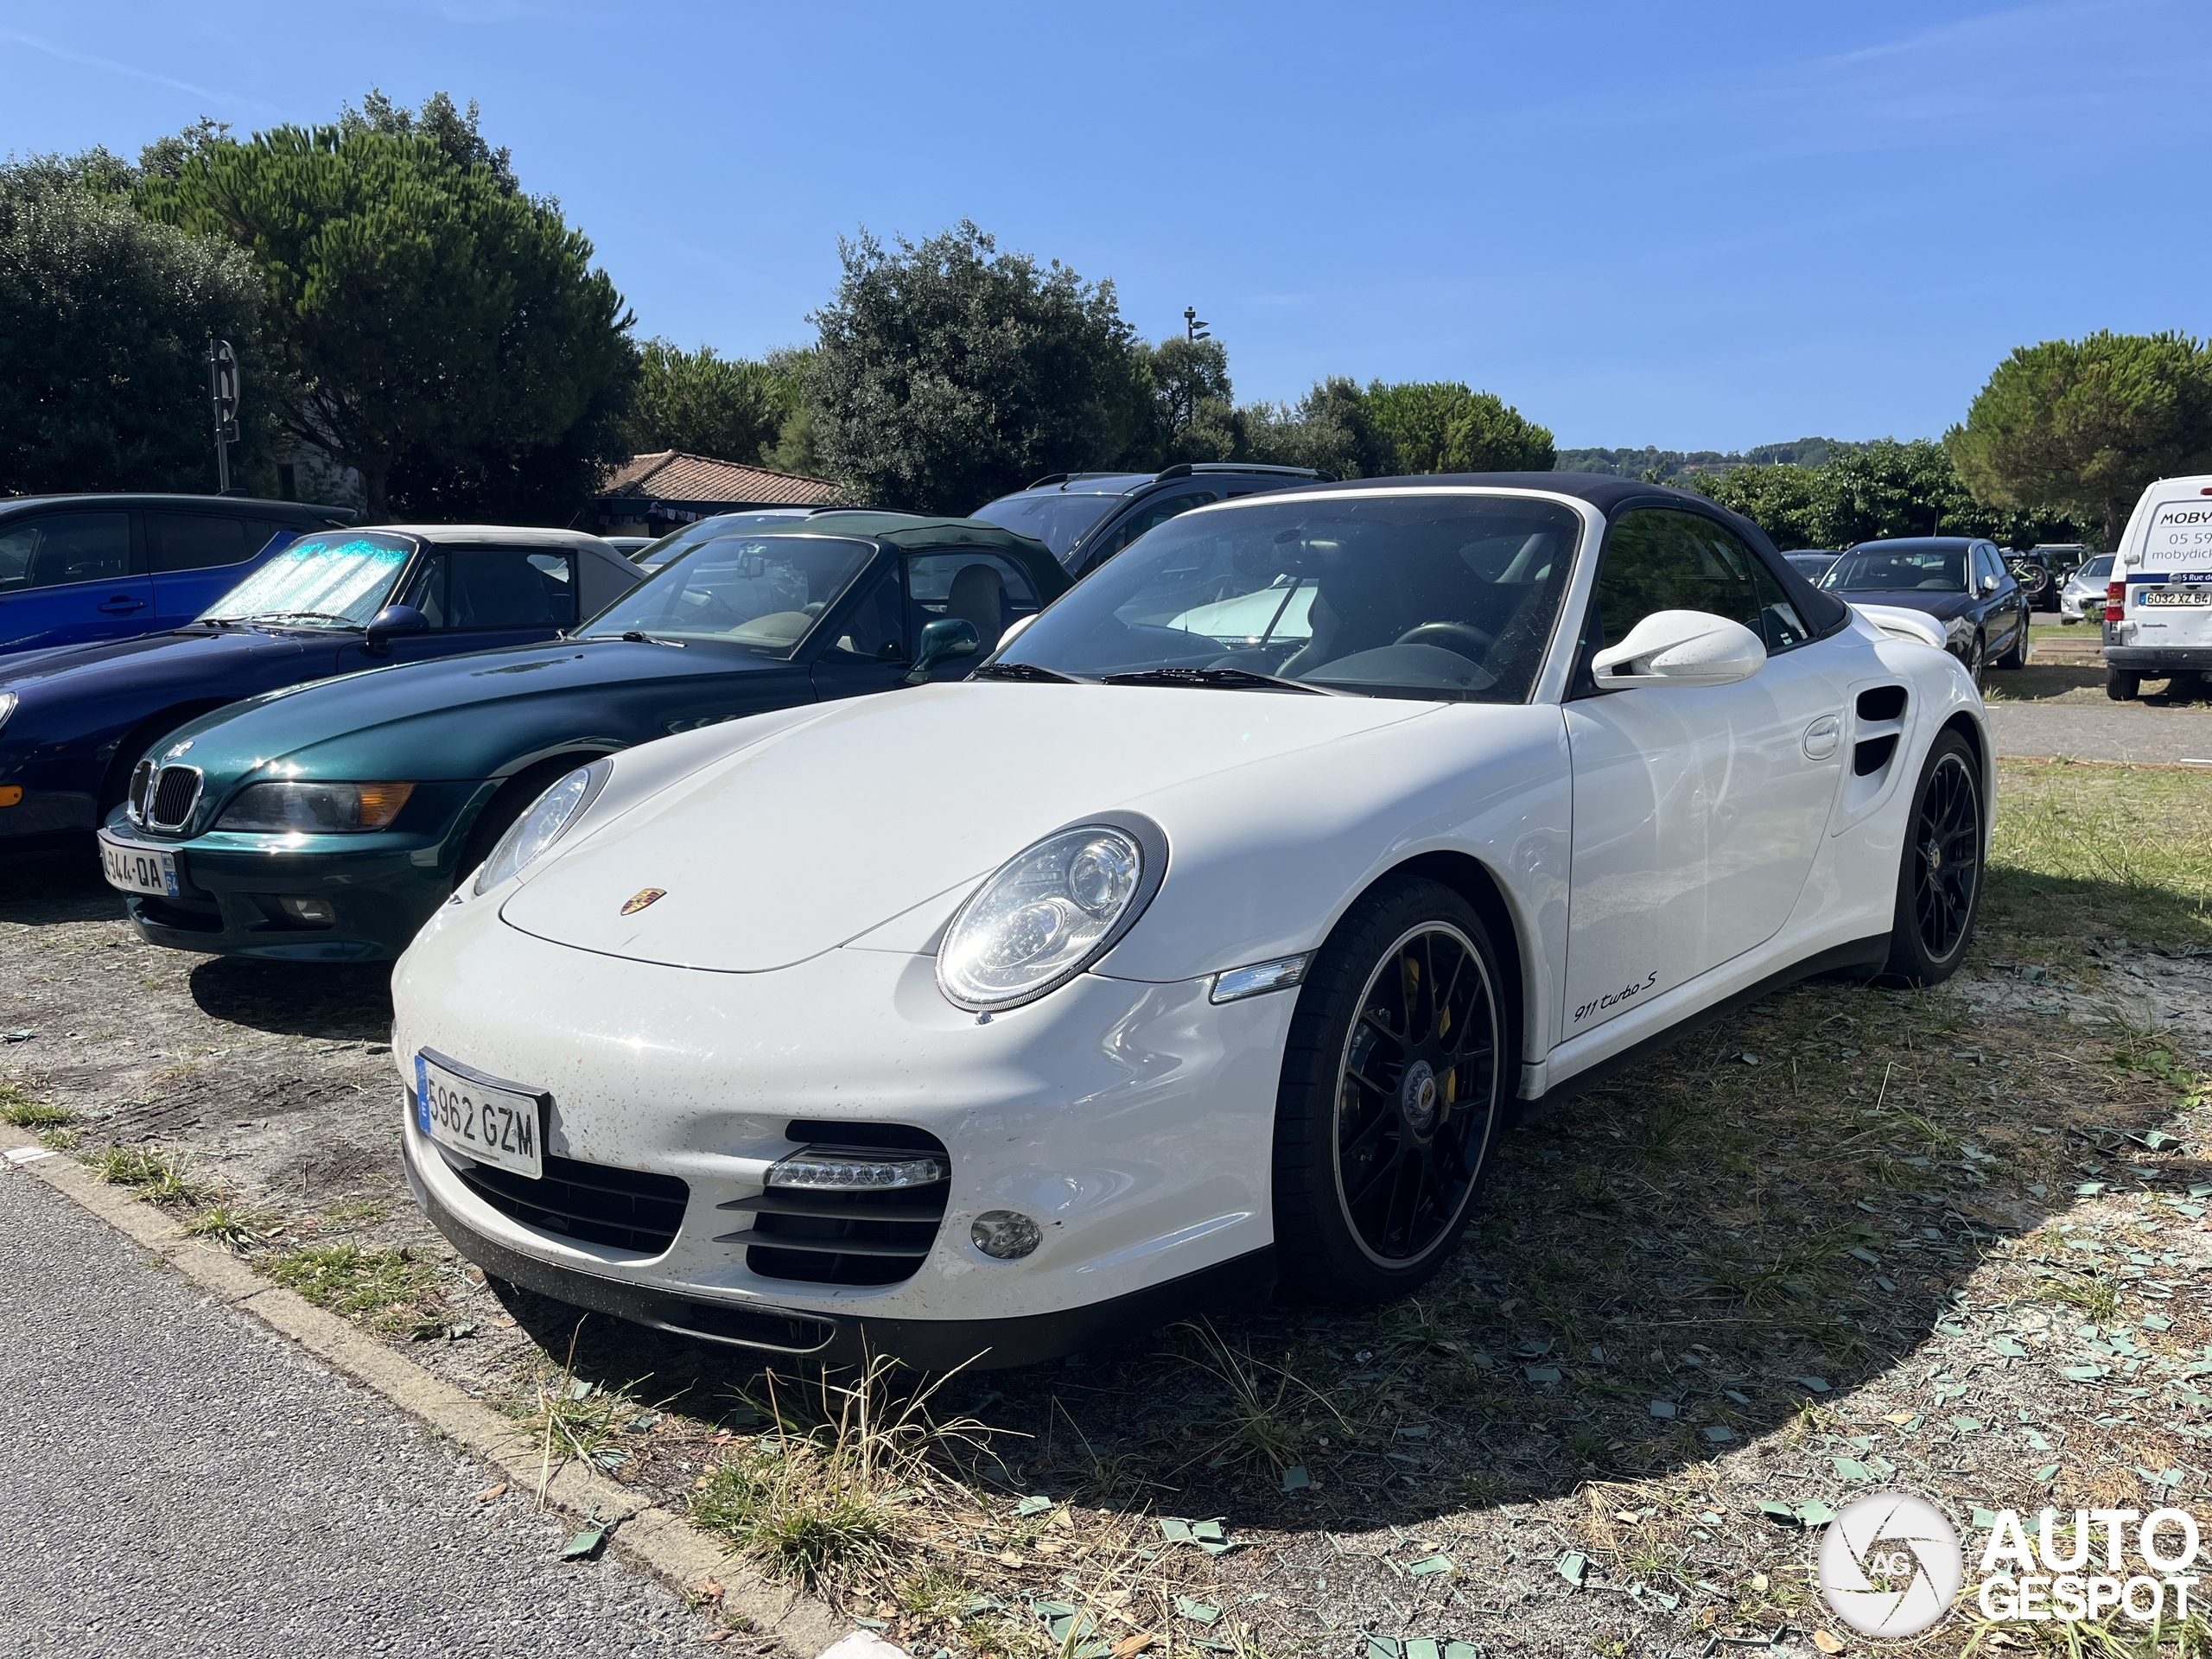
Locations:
column 2042, row 712
column 1885, row 1194
column 181, row 1482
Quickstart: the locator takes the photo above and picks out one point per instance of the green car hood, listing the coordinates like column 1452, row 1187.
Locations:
column 472, row 716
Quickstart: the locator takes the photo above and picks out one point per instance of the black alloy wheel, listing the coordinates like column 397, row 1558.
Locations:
column 1939, row 887
column 1395, row 1081
column 1977, row 657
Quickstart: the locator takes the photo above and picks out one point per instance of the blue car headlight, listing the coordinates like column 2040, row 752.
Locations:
column 545, row 823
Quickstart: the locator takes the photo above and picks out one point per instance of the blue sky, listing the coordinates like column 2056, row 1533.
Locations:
column 1695, row 224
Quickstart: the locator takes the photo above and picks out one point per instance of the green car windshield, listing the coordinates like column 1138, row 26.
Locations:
column 761, row 592
column 340, row 580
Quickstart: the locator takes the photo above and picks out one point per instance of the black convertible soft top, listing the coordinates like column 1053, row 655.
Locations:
column 1823, row 611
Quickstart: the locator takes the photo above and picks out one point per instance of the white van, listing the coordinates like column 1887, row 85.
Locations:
column 2158, row 603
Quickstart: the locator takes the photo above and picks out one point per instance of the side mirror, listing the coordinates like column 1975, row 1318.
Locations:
column 395, row 620
column 946, row 637
column 1681, row 648
column 1989, row 584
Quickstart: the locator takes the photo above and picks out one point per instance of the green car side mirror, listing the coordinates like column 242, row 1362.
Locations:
column 943, row 639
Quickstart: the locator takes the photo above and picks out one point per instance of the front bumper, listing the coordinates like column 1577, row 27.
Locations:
column 839, row 1339
column 380, row 889
column 1132, row 1121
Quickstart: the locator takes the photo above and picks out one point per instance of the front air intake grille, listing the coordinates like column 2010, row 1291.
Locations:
column 838, row 1238
column 597, row 1203
column 176, row 791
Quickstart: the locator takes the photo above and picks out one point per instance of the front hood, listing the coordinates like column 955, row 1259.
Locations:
column 412, row 720
column 812, row 836
column 184, row 655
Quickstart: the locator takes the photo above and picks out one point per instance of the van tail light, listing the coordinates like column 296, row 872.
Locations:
column 2115, row 601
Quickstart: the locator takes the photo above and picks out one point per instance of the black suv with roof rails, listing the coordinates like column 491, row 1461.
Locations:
column 1087, row 518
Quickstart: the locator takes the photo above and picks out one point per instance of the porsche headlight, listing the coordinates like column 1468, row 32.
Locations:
column 547, row 820
column 1048, row 913
column 314, row 808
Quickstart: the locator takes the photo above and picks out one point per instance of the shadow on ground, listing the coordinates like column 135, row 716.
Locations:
column 42, row 888
column 338, row 1002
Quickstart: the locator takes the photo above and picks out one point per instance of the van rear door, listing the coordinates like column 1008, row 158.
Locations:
column 2170, row 581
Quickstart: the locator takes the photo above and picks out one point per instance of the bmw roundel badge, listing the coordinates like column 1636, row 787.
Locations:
column 643, row 897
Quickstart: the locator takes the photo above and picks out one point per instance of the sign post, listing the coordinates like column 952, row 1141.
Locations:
column 223, row 397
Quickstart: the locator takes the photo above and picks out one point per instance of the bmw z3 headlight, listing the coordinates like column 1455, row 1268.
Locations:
column 1049, row 912
column 314, row 808
column 547, row 820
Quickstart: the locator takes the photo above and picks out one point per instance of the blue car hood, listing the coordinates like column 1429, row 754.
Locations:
column 188, row 656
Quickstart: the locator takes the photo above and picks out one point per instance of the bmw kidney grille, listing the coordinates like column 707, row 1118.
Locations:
column 176, row 792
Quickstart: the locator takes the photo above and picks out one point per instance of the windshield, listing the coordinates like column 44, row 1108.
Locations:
column 2096, row 569
column 651, row 555
column 337, row 578
column 1429, row 595
column 1898, row 569
column 1053, row 516
column 761, row 592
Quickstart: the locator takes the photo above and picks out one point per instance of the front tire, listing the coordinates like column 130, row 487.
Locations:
column 1939, row 883
column 1396, row 1079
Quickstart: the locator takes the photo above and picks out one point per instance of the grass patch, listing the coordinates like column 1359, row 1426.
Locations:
column 387, row 1290
column 234, row 1228
column 2082, row 850
column 833, row 1501
column 156, row 1176
column 18, row 1108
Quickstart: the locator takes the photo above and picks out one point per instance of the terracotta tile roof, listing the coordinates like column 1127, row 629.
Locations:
column 671, row 475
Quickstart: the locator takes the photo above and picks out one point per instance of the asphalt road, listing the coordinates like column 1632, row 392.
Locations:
column 2114, row 731
column 178, row 1481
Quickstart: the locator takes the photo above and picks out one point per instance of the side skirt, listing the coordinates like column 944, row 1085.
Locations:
column 1863, row 954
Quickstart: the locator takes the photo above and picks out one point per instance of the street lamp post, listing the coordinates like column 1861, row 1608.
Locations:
column 222, row 399
column 1194, row 330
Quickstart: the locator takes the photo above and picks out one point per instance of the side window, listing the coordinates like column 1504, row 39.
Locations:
column 877, row 631
column 496, row 588
column 1157, row 510
column 1657, row 560
column 193, row 541
column 987, row 589
column 64, row 547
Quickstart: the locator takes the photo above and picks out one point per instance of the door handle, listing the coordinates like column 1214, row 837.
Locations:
column 1823, row 736
column 121, row 604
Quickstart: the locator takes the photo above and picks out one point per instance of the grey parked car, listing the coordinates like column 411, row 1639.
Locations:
column 2082, row 598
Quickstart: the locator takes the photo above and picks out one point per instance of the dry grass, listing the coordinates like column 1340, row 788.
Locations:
column 156, row 1176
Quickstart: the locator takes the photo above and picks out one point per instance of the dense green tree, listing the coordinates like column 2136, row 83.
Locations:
column 948, row 372
column 103, row 354
column 1193, row 405
column 1440, row 426
column 733, row 410
column 1870, row 491
column 1788, row 502
column 2087, row 424
column 1331, row 428
column 429, row 316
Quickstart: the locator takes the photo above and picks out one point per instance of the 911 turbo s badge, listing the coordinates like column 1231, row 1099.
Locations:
column 643, row 897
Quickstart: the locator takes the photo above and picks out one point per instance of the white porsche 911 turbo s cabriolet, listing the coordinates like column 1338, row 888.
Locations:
column 1202, row 941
